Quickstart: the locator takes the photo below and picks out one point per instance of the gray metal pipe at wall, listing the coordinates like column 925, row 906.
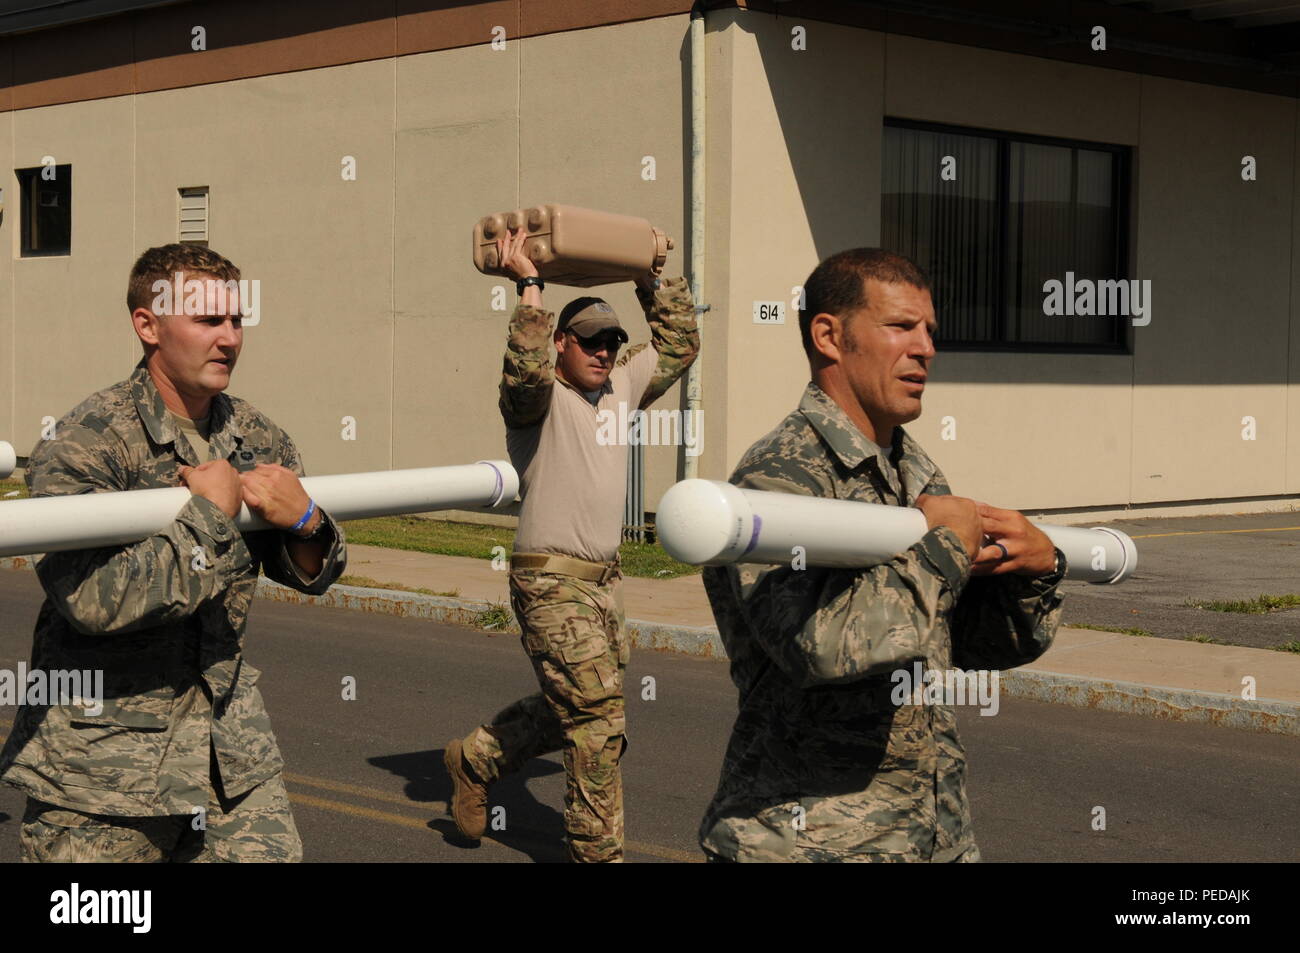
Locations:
column 694, row 373
column 634, row 499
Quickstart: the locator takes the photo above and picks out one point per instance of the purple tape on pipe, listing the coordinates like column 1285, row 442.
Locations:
column 500, row 487
column 753, row 538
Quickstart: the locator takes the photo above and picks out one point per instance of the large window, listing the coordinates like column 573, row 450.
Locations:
column 46, row 213
column 992, row 217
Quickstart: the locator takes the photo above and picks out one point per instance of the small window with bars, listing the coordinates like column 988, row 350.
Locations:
column 194, row 215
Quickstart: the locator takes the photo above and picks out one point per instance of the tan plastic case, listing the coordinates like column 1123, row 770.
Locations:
column 575, row 246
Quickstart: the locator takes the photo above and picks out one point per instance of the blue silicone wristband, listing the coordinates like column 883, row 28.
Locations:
column 306, row 517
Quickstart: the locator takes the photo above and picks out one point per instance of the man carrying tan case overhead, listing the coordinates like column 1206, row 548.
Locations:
column 565, row 584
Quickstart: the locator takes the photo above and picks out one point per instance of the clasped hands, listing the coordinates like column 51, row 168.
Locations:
column 982, row 527
column 271, row 491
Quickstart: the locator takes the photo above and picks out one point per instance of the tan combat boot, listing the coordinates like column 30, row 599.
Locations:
column 468, row 802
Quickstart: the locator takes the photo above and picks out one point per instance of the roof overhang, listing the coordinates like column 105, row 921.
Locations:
column 24, row 16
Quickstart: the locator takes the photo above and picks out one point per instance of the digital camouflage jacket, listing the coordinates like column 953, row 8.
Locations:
column 163, row 618
column 822, row 764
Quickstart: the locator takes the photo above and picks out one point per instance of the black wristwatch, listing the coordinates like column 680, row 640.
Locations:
column 523, row 283
column 1059, row 566
column 319, row 534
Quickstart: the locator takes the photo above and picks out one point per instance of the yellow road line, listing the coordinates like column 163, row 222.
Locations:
column 341, row 787
column 387, row 817
column 401, row 820
column 370, row 813
column 1216, row 532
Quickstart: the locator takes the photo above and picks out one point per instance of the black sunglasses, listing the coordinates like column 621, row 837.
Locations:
column 596, row 341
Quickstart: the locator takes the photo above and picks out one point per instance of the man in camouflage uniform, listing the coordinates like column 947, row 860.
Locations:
column 565, row 584
column 822, row 765
column 180, row 764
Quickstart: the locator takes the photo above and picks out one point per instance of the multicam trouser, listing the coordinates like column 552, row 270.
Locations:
column 573, row 634
column 255, row 827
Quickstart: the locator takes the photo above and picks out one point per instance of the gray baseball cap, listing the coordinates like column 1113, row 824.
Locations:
column 587, row 317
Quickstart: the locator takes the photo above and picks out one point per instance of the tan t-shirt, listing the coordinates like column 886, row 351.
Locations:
column 573, row 466
column 195, row 431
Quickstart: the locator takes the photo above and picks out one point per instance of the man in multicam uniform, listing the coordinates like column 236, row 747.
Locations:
column 822, row 765
column 565, row 584
column 180, row 764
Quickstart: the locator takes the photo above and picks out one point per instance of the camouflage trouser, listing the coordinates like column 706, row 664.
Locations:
column 573, row 633
column 964, row 855
column 254, row 827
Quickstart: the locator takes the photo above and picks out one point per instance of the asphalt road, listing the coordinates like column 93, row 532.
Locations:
column 1203, row 558
column 367, row 780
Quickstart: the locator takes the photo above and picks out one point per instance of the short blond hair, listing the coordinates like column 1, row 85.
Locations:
column 165, row 261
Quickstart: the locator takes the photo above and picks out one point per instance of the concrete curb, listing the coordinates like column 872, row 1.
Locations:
column 413, row 605
column 1154, row 701
column 702, row 642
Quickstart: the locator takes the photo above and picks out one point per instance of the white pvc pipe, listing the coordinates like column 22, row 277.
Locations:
column 709, row 523
column 8, row 460
column 53, row 523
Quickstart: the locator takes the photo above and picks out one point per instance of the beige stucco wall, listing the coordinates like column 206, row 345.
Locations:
column 372, row 310
column 69, row 311
column 803, row 153
column 557, row 118
column 1292, row 484
column 1033, row 430
column 271, row 151
column 9, row 368
column 1218, row 251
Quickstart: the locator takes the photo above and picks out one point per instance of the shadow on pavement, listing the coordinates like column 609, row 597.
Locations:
column 530, row 827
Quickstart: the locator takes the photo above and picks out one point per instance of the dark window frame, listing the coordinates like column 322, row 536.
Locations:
column 29, row 185
column 1121, row 193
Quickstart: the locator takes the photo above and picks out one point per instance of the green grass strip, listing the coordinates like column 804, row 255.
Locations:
column 476, row 541
column 1257, row 606
column 1141, row 633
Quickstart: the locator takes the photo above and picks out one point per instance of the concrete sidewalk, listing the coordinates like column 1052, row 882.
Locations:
column 678, row 601
column 1163, row 678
